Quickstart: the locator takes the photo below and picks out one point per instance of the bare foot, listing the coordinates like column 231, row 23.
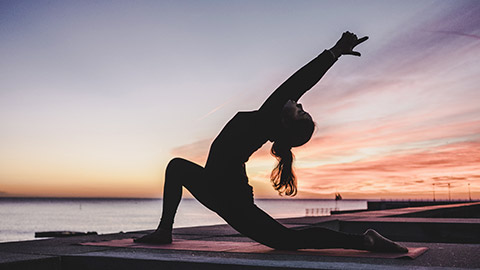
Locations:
column 160, row 236
column 376, row 242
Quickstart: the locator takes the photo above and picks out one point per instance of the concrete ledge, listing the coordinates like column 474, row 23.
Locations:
column 121, row 261
column 14, row 261
column 382, row 205
column 470, row 211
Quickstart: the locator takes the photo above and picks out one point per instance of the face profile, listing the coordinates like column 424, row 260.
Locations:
column 297, row 124
column 293, row 111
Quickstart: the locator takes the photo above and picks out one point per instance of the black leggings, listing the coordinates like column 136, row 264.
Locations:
column 244, row 217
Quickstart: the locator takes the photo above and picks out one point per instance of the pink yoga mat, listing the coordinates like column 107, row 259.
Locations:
column 249, row 247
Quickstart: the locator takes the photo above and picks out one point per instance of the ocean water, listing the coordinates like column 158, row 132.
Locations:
column 21, row 218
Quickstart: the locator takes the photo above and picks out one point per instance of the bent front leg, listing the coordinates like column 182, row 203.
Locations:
column 179, row 173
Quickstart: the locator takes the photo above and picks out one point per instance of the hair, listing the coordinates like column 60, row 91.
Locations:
column 283, row 176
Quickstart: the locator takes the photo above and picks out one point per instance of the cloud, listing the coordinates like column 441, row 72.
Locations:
column 458, row 33
column 196, row 151
column 218, row 108
column 456, row 164
column 414, row 55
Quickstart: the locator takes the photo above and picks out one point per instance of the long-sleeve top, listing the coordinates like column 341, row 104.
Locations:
column 246, row 132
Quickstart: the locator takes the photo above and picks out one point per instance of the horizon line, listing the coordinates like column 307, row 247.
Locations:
column 281, row 198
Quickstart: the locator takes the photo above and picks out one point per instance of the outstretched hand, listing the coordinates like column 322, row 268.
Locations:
column 346, row 44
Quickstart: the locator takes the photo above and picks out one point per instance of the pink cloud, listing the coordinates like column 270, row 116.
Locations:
column 456, row 164
column 196, row 152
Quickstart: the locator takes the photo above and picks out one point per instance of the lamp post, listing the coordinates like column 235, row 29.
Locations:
column 469, row 194
column 449, row 198
column 433, row 191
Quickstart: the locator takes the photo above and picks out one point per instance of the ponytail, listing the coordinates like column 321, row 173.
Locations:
column 282, row 176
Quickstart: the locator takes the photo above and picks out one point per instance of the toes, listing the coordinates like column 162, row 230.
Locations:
column 154, row 239
column 402, row 249
column 376, row 242
column 143, row 239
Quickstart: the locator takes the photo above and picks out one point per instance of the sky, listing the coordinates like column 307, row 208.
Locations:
column 97, row 96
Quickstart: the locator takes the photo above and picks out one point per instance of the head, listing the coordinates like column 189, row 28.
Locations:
column 296, row 129
column 297, row 125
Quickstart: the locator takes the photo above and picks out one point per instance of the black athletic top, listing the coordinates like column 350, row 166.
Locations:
column 246, row 132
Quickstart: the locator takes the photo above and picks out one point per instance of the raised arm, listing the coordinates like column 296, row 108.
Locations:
column 299, row 83
column 309, row 75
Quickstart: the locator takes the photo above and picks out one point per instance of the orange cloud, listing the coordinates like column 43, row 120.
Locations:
column 196, row 152
column 456, row 164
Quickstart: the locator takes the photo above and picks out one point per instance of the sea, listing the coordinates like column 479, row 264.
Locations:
column 20, row 218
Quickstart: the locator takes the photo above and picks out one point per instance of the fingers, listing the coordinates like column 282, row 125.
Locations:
column 356, row 41
column 354, row 53
column 348, row 42
column 363, row 39
column 348, row 34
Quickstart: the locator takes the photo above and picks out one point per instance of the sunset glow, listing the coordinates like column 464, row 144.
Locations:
column 95, row 99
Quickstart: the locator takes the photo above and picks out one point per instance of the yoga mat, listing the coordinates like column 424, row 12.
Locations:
column 249, row 247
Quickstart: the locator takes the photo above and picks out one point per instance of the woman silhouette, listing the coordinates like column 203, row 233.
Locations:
column 222, row 186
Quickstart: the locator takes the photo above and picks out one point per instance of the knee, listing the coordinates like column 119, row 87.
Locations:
column 175, row 162
column 174, row 165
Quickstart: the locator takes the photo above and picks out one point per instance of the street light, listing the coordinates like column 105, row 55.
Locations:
column 469, row 194
column 433, row 191
column 449, row 198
